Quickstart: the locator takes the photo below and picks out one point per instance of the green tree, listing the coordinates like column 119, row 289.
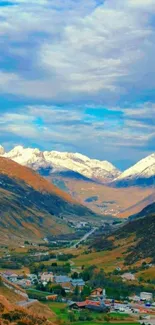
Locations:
column 75, row 275
column 76, row 291
column 86, row 292
column 71, row 317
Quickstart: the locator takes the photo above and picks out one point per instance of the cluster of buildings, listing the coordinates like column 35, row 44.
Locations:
column 97, row 301
column 29, row 280
column 144, row 296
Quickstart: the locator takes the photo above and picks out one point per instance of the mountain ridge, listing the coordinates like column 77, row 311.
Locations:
column 63, row 162
column 57, row 163
column 142, row 173
column 32, row 207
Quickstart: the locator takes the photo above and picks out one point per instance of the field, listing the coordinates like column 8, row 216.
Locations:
column 147, row 274
column 109, row 260
column 62, row 314
column 40, row 294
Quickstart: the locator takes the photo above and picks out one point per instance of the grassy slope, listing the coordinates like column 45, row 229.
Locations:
column 62, row 313
column 107, row 259
column 9, row 294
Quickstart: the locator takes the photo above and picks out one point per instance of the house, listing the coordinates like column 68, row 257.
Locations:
column 98, row 292
column 134, row 298
column 61, row 279
column 83, row 304
column 77, row 305
column 81, row 224
column 78, row 283
column 52, row 297
column 101, row 309
column 67, row 286
column 10, row 276
column 32, row 277
column 146, row 296
column 91, row 305
column 128, row 277
column 46, row 277
column 24, row 283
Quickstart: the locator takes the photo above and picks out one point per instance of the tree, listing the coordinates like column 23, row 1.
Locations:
column 75, row 275
column 58, row 290
column 107, row 318
column 76, row 291
column 85, row 316
column 86, row 291
column 71, row 317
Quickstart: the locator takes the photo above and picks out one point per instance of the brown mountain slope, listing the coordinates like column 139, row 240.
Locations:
column 35, row 314
column 11, row 313
column 30, row 206
column 120, row 202
column 31, row 178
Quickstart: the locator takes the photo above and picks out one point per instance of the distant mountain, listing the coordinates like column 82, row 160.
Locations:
column 141, row 174
column 55, row 162
column 32, row 207
column 77, row 166
column 139, row 234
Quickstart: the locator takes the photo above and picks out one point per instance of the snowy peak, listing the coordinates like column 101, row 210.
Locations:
column 27, row 157
column 63, row 161
column 145, row 167
column 55, row 162
column 142, row 173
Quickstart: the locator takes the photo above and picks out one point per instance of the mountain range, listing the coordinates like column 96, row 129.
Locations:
column 98, row 185
column 54, row 162
column 75, row 165
column 31, row 206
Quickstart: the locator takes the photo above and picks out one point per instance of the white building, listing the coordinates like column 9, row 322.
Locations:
column 146, row 296
column 46, row 277
column 134, row 298
column 128, row 277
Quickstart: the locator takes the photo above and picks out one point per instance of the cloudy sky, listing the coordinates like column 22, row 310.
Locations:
column 79, row 76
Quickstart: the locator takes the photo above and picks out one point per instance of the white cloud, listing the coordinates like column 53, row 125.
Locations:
column 80, row 50
column 147, row 5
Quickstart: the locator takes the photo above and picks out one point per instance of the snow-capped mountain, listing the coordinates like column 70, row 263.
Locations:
column 75, row 164
column 56, row 162
column 142, row 173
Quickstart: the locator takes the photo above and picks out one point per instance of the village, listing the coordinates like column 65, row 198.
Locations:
column 66, row 289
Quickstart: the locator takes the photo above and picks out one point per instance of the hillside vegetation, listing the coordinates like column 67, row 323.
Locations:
column 32, row 207
column 141, row 229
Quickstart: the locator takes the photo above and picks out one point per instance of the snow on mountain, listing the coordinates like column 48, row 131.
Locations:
column 90, row 168
column 63, row 161
column 142, row 173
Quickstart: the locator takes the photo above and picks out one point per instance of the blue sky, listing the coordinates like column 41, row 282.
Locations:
column 79, row 76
